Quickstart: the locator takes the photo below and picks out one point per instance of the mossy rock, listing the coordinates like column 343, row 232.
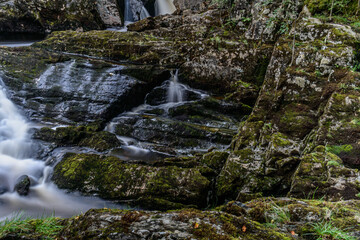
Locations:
column 82, row 136
column 215, row 160
column 321, row 174
column 110, row 178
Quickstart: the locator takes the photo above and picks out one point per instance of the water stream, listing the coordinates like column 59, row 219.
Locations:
column 175, row 91
column 128, row 15
column 16, row 151
column 163, row 7
column 19, row 39
column 169, row 96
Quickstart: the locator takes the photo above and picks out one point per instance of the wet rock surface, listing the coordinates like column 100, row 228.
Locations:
column 196, row 123
column 22, row 185
column 75, row 90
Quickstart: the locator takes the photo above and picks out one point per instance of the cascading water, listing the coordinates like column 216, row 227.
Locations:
column 15, row 161
column 19, row 39
column 128, row 15
column 144, row 13
column 163, row 7
column 175, row 92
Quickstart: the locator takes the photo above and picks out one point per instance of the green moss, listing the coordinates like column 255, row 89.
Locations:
column 112, row 179
column 85, row 136
column 337, row 149
column 280, row 140
column 215, row 160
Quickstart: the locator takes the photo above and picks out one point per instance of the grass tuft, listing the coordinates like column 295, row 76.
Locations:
column 46, row 227
column 325, row 230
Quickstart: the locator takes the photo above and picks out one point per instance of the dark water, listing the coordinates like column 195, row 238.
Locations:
column 20, row 39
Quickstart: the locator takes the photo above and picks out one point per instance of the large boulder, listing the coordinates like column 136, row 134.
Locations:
column 82, row 136
column 70, row 90
column 198, row 5
column 48, row 15
column 109, row 12
column 110, row 178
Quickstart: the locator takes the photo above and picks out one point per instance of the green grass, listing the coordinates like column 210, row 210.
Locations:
column 16, row 224
column 325, row 230
column 337, row 149
column 46, row 227
column 279, row 214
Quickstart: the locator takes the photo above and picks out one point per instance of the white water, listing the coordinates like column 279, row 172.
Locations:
column 144, row 13
column 128, row 15
column 16, row 44
column 15, row 151
column 163, row 7
column 175, row 91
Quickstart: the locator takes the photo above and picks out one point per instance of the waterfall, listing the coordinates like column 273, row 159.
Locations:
column 163, row 7
column 128, row 15
column 144, row 13
column 175, row 91
column 15, row 161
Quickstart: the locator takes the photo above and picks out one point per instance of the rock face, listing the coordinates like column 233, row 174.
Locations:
column 82, row 136
column 213, row 58
column 197, row 5
column 109, row 12
column 294, row 125
column 197, row 122
column 73, row 90
column 44, row 16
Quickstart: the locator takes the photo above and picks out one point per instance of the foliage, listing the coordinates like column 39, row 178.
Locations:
column 337, row 149
column 45, row 227
column 325, row 230
column 343, row 8
column 278, row 214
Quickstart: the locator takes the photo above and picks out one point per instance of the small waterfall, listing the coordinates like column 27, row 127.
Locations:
column 128, row 15
column 144, row 13
column 163, row 7
column 15, row 161
column 175, row 91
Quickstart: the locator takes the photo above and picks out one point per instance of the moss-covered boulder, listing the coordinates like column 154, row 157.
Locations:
column 83, row 136
column 113, row 179
column 182, row 224
column 321, row 174
column 266, row 218
column 43, row 16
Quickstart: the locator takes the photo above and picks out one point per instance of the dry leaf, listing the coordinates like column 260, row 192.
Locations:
column 244, row 228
